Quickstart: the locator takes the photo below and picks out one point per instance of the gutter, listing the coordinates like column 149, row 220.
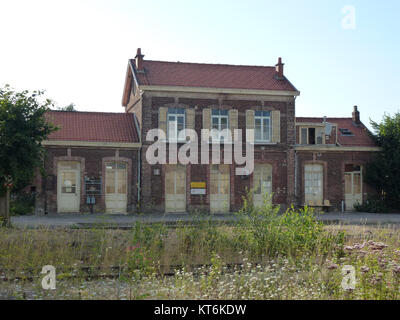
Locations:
column 320, row 148
column 93, row 144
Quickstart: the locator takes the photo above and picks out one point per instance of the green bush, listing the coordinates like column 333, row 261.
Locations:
column 22, row 204
column 372, row 206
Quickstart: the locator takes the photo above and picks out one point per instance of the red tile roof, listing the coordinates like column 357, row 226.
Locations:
column 210, row 76
column 93, row 126
column 360, row 137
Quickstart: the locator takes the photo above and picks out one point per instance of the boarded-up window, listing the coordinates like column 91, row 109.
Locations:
column 262, row 179
column 220, row 179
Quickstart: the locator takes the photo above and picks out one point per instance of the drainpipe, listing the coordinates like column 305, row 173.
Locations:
column 139, row 176
column 139, row 162
column 295, row 155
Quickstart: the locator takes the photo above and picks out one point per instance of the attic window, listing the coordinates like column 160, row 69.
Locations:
column 345, row 132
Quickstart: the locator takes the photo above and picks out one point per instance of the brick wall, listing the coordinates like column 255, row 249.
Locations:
column 334, row 168
column 280, row 156
column 92, row 165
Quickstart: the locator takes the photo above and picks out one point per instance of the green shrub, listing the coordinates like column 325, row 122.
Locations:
column 372, row 206
column 22, row 204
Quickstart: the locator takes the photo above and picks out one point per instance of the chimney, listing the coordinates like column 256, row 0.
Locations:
column 279, row 69
column 139, row 60
column 356, row 115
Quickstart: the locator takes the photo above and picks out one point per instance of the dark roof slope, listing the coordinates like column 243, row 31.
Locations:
column 93, row 126
column 359, row 137
column 205, row 75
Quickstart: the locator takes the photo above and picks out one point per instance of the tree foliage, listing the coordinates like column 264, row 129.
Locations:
column 23, row 127
column 70, row 108
column 384, row 171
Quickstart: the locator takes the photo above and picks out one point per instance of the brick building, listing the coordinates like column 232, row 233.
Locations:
column 91, row 161
column 315, row 161
column 331, row 157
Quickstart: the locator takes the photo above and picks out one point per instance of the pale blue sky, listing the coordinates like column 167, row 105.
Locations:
column 78, row 50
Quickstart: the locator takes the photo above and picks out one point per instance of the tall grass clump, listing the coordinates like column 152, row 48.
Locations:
column 268, row 233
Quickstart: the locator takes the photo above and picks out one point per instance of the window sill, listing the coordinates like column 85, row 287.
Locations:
column 220, row 142
column 261, row 143
column 174, row 141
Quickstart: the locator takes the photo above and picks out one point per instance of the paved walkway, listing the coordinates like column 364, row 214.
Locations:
column 123, row 221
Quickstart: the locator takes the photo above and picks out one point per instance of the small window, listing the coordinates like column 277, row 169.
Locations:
column 175, row 123
column 262, row 126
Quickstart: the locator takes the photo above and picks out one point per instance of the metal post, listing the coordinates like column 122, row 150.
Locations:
column 8, row 220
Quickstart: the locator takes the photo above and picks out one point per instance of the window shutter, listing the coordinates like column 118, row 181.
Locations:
column 233, row 121
column 250, row 124
column 207, row 119
column 276, row 126
column 190, row 119
column 162, row 119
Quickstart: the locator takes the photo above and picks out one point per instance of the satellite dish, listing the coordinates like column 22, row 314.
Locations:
column 328, row 128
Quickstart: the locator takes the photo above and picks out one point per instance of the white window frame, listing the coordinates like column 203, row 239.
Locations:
column 172, row 113
column 219, row 117
column 261, row 118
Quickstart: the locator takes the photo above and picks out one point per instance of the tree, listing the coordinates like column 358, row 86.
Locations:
column 384, row 171
column 23, row 127
column 70, row 107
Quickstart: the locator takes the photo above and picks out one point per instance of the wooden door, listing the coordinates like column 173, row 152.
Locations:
column 219, row 188
column 353, row 188
column 262, row 184
column 313, row 184
column 116, row 191
column 68, row 187
column 175, row 188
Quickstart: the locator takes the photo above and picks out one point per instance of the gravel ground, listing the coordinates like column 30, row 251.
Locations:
column 85, row 290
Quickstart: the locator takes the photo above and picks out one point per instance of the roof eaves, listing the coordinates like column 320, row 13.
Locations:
column 220, row 90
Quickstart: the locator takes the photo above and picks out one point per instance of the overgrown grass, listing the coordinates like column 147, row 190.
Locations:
column 264, row 255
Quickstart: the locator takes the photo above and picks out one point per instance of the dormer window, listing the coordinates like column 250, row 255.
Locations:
column 312, row 135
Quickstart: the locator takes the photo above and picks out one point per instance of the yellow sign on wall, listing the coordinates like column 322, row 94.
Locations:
column 198, row 185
